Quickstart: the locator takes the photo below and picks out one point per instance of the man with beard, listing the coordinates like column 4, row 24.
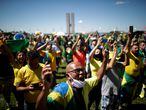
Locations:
column 132, row 72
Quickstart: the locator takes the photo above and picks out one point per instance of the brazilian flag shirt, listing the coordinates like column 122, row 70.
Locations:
column 63, row 96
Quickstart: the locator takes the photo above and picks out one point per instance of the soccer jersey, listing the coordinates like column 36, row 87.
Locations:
column 135, row 64
column 27, row 76
column 132, row 74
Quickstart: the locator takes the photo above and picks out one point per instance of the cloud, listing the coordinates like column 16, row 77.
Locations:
column 80, row 21
column 120, row 2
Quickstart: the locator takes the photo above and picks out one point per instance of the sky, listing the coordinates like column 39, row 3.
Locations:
column 90, row 15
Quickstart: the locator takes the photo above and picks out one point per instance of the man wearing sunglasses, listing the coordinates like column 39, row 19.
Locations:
column 72, row 94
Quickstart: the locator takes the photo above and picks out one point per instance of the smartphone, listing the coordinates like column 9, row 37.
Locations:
column 131, row 29
column 37, row 86
column 49, row 78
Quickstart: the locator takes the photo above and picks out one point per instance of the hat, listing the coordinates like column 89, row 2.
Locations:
column 37, row 33
column 93, row 38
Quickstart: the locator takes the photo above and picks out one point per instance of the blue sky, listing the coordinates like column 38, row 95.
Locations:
column 90, row 15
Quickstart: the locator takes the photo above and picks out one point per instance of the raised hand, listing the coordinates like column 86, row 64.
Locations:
column 47, row 76
column 105, row 54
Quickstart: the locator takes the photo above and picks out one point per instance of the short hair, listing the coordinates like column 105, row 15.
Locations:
column 135, row 43
column 32, row 54
column 142, row 41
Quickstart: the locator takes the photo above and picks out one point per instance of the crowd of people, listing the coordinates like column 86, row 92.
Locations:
column 108, row 69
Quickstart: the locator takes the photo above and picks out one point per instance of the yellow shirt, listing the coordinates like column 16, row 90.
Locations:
column 135, row 64
column 52, row 55
column 28, row 77
column 94, row 65
column 16, row 67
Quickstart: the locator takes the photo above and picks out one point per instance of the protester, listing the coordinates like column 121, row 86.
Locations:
column 73, row 94
column 79, row 49
column 6, row 71
column 142, row 51
column 19, row 62
column 132, row 72
column 57, row 48
column 90, row 46
column 93, row 42
column 111, row 82
column 38, row 41
column 29, row 79
column 67, row 53
column 49, row 55
column 95, row 63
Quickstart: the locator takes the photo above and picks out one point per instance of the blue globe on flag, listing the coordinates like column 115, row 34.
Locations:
column 18, row 36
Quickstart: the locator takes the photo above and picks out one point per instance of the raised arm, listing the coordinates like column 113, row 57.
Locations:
column 128, row 44
column 112, row 61
column 93, row 51
column 41, row 103
column 75, row 44
column 126, row 61
column 102, row 69
column 57, row 44
column 42, row 47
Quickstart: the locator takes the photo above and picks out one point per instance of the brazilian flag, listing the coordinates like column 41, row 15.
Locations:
column 17, row 45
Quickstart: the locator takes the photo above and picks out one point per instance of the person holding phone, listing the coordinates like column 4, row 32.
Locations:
column 133, row 71
column 50, row 55
column 29, row 79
